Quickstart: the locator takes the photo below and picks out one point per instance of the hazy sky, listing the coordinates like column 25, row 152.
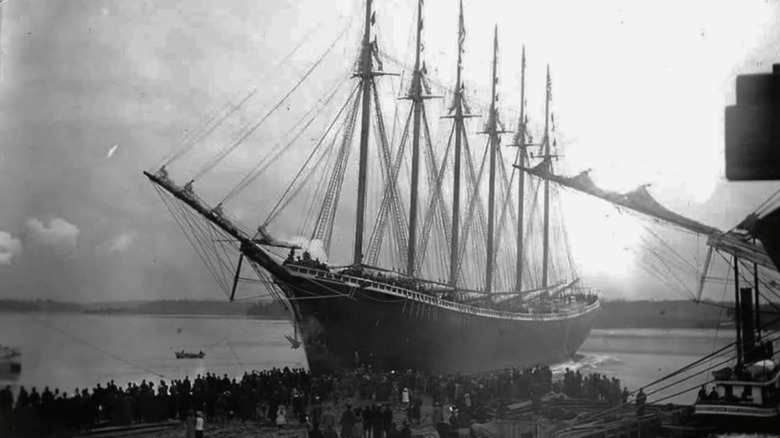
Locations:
column 93, row 92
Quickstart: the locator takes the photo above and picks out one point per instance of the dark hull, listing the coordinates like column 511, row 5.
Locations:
column 391, row 332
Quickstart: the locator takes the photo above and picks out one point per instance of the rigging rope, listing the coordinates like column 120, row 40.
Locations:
column 195, row 139
column 268, row 160
column 275, row 211
column 323, row 229
column 226, row 151
column 89, row 344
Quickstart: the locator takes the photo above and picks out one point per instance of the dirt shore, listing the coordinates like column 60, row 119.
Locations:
column 237, row 428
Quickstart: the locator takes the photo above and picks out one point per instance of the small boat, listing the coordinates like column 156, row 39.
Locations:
column 187, row 355
column 10, row 362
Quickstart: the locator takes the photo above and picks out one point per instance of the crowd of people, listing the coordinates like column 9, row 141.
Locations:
column 370, row 403
column 594, row 386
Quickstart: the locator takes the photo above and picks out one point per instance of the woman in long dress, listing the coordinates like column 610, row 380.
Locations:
column 281, row 416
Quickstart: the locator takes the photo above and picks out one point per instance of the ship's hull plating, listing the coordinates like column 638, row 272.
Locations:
column 337, row 321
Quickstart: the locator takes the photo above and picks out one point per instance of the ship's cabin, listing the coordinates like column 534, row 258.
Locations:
column 743, row 392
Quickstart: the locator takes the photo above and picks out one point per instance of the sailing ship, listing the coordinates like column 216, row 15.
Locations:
column 468, row 298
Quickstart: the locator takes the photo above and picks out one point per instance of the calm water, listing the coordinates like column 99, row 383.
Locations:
column 72, row 350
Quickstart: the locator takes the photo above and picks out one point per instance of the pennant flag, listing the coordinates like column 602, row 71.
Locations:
column 373, row 17
column 423, row 70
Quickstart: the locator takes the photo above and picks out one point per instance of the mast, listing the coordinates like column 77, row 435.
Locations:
column 366, row 79
column 458, row 104
column 547, row 159
column 521, row 181
column 492, row 144
column 415, row 94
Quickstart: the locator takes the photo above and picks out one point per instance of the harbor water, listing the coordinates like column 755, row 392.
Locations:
column 69, row 351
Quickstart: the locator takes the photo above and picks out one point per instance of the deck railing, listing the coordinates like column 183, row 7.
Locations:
column 402, row 292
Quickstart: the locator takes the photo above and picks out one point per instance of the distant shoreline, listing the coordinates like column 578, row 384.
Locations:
column 613, row 314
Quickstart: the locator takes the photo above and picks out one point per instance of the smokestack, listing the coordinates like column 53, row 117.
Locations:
column 747, row 323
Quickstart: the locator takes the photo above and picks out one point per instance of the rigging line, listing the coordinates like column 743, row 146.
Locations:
column 720, row 313
column 274, row 211
column 400, row 221
column 88, row 344
column 196, row 222
column 434, row 201
column 380, row 223
column 225, row 152
column 680, row 371
column 668, row 267
column 709, row 368
column 199, row 137
column 475, row 198
column 322, row 187
column 179, row 221
column 265, row 162
column 774, row 195
column 323, row 228
column 683, row 259
column 750, row 280
column 234, row 354
column 443, row 210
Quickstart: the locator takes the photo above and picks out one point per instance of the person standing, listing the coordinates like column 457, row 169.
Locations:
column 199, row 425
column 281, row 416
column 641, row 398
column 347, row 423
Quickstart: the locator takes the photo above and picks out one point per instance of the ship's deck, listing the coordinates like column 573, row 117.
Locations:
column 400, row 292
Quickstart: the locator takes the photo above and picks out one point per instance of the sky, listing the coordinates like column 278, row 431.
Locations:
column 94, row 92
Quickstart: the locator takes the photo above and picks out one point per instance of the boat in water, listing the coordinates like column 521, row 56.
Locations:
column 189, row 355
column 10, row 363
column 486, row 279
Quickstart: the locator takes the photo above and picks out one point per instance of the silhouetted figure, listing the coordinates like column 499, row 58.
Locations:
column 641, row 398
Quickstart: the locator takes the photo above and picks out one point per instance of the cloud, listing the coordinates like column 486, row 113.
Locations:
column 121, row 242
column 9, row 247
column 58, row 232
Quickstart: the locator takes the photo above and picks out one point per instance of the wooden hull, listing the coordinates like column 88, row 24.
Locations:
column 338, row 320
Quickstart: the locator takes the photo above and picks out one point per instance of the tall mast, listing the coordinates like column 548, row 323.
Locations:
column 459, row 129
column 521, row 181
column 366, row 79
column 548, row 161
column 492, row 144
column 415, row 94
column 456, row 166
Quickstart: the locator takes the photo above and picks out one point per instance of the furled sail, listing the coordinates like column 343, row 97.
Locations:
column 640, row 200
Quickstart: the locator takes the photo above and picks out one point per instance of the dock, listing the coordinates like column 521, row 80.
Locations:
column 584, row 418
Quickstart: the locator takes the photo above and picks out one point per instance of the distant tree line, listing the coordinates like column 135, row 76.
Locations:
column 672, row 314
